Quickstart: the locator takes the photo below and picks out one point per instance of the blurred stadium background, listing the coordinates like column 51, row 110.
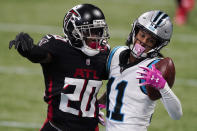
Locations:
column 21, row 83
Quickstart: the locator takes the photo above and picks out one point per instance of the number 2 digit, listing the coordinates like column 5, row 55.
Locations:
column 79, row 97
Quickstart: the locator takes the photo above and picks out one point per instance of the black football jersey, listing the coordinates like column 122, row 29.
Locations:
column 72, row 82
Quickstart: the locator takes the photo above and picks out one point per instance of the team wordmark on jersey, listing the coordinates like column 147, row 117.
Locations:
column 86, row 73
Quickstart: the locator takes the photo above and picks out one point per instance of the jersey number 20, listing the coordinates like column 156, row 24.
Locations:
column 79, row 96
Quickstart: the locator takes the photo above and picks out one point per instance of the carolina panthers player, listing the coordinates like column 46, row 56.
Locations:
column 129, row 108
column 73, row 68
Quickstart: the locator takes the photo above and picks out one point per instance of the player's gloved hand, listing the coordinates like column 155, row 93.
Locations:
column 104, row 46
column 102, row 106
column 152, row 77
column 101, row 115
column 22, row 42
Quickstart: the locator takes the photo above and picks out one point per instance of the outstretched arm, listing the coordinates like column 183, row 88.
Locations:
column 171, row 103
column 154, row 78
column 25, row 46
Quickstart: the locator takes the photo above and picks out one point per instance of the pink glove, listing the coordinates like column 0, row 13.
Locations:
column 102, row 106
column 101, row 118
column 101, row 115
column 152, row 77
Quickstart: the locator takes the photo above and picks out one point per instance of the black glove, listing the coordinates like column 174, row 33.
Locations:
column 23, row 42
column 24, row 45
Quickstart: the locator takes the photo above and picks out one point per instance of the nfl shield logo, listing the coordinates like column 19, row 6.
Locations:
column 87, row 61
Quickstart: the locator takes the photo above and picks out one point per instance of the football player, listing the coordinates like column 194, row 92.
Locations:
column 184, row 7
column 73, row 68
column 132, row 73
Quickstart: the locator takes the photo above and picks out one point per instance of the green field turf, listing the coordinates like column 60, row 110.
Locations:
column 21, row 83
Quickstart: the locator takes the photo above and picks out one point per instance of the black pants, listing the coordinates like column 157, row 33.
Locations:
column 48, row 126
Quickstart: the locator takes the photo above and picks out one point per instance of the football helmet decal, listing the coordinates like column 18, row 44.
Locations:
column 86, row 28
column 158, row 24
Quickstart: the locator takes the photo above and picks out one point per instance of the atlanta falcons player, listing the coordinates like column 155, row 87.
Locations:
column 73, row 68
column 131, row 68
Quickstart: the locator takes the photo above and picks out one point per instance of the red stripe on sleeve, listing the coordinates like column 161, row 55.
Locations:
column 50, row 107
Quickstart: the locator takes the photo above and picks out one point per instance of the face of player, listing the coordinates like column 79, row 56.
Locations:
column 145, row 40
column 93, row 41
column 143, row 43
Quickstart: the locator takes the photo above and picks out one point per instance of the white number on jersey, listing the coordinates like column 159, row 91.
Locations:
column 80, row 96
column 116, row 113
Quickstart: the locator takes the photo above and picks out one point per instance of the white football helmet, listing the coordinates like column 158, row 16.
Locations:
column 158, row 24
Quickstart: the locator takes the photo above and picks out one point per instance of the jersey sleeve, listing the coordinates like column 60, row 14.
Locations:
column 113, row 60
column 171, row 103
column 51, row 43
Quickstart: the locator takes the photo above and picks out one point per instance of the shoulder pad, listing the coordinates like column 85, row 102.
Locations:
column 113, row 58
column 57, row 37
column 118, row 49
column 124, row 56
column 50, row 37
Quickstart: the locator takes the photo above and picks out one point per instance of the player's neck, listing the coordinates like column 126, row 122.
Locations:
column 132, row 59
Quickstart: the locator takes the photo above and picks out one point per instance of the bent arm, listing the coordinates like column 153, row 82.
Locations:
column 171, row 103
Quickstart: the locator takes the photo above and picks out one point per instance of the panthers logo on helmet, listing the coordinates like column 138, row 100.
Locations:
column 158, row 20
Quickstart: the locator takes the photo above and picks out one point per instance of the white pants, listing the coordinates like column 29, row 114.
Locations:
column 110, row 126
